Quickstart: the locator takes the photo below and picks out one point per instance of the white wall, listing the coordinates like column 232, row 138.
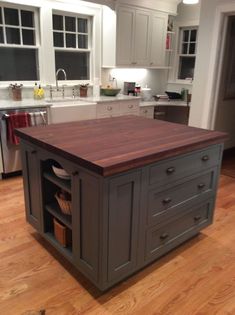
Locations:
column 206, row 72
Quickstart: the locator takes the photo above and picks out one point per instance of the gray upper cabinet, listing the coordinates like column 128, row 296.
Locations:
column 124, row 195
column 141, row 37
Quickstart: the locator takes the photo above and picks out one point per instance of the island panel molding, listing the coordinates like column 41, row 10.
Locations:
column 122, row 222
column 113, row 145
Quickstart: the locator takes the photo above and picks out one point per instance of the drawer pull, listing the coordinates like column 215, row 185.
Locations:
column 205, row 158
column 109, row 108
column 160, row 113
column 33, row 152
column 164, row 236
column 200, row 186
column 130, row 106
column 166, row 201
column 197, row 218
column 170, row 170
column 75, row 173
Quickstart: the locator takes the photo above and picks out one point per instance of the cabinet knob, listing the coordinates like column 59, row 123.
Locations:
column 134, row 63
column 109, row 108
column 170, row 170
column 33, row 152
column 75, row 173
column 166, row 201
column 197, row 218
column 151, row 63
column 130, row 106
column 164, row 236
column 205, row 158
column 201, row 185
column 145, row 111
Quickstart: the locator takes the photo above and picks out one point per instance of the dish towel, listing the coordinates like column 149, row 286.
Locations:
column 37, row 118
column 16, row 120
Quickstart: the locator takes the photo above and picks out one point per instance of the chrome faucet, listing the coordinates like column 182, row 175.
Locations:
column 56, row 77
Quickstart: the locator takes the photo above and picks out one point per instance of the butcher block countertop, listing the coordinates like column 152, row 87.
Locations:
column 113, row 145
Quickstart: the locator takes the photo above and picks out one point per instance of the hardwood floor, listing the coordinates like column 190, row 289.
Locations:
column 198, row 278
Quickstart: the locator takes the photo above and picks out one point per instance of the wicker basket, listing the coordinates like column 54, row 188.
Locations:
column 65, row 205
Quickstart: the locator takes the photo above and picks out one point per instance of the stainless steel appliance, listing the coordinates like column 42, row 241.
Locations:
column 11, row 161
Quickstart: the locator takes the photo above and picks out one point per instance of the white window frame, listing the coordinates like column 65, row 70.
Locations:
column 37, row 45
column 89, row 34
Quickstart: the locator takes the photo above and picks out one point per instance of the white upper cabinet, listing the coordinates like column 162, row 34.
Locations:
column 158, row 39
column 141, row 37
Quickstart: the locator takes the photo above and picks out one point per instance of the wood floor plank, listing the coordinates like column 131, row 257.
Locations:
column 197, row 278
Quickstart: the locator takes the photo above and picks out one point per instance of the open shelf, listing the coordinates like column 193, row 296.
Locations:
column 54, row 209
column 66, row 251
column 62, row 183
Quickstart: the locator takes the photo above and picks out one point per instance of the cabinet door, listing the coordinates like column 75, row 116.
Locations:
column 158, row 39
column 125, row 35
column 124, row 194
column 142, row 38
column 32, row 186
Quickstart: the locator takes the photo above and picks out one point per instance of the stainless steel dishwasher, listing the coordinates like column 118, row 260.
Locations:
column 11, row 161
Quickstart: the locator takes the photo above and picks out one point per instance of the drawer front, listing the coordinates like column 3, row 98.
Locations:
column 129, row 107
column 108, row 108
column 147, row 112
column 173, row 169
column 162, row 238
column 162, row 204
column 107, row 115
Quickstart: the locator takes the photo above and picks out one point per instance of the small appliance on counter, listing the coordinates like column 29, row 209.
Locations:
column 146, row 94
column 129, row 88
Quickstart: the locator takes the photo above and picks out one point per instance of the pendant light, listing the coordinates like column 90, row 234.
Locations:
column 190, row 1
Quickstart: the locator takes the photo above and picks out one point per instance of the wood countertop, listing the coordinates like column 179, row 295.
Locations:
column 113, row 145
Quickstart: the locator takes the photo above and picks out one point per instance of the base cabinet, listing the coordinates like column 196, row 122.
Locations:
column 116, row 225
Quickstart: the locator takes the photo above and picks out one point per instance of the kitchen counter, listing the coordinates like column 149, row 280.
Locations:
column 103, row 98
column 139, row 188
column 149, row 103
column 26, row 103
column 172, row 103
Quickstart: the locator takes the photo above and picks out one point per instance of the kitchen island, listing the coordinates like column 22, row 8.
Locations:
column 138, row 188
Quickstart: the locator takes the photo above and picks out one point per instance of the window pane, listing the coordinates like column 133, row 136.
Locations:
column 76, row 64
column 28, row 37
column 58, row 22
column 71, row 40
column 184, row 49
column 186, row 36
column 192, row 48
column 11, row 16
column 13, row 35
column 18, row 64
column 27, row 18
column 82, row 25
column 58, row 39
column 186, row 67
column 82, row 41
column 193, row 36
column 70, row 24
column 0, row 15
column 1, row 35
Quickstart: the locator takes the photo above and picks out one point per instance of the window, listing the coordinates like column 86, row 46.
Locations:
column 71, row 36
column 187, row 53
column 18, row 50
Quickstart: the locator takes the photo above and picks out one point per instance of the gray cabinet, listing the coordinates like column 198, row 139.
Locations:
column 124, row 195
column 121, row 223
column 32, row 184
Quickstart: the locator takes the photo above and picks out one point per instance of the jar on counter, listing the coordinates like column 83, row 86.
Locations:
column 16, row 91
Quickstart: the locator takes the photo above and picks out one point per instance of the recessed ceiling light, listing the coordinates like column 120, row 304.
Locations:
column 190, row 1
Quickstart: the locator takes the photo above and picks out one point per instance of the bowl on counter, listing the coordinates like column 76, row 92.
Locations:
column 109, row 91
column 60, row 172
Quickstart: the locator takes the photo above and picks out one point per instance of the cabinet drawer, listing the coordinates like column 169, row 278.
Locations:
column 173, row 169
column 147, row 112
column 129, row 107
column 112, row 108
column 162, row 238
column 162, row 204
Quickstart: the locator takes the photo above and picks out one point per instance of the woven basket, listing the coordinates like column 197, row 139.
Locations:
column 65, row 205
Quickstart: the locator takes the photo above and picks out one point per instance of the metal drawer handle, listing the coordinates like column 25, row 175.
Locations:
column 75, row 173
column 164, row 236
column 130, row 106
column 166, row 200
column 197, row 218
column 109, row 108
column 170, row 170
column 160, row 113
column 205, row 158
column 201, row 185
